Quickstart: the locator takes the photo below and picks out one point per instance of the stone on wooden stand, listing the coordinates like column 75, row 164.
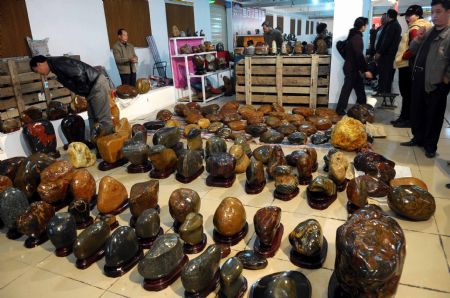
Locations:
column 286, row 183
column 90, row 244
column 33, row 223
column 269, row 251
column 163, row 263
column 112, row 196
column 183, row 201
column 13, row 203
column 122, row 252
column 220, row 167
column 191, row 232
column 106, row 166
column 133, row 219
column 321, row 193
column 40, row 137
column 110, row 149
column 230, row 224
column 290, row 283
column 232, row 282
column 148, row 228
column 62, row 231
column 230, row 240
column 309, row 246
column 252, row 260
column 189, row 166
column 256, row 179
column 110, row 219
column 338, row 165
column 80, row 210
column 136, row 152
column 143, row 196
column 269, row 231
column 164, row 161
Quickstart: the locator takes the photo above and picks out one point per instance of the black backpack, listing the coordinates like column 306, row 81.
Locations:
column 340, row 46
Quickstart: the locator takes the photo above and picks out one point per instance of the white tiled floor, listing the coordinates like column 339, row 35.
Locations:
column 426, row 271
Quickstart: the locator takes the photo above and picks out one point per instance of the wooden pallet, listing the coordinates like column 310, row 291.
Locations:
column 20, row 88
column 284, row 79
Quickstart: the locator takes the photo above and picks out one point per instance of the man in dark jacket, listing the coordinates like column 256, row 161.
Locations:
column 355, row 66
column 271, row 34
column 385, row 51
column 83, row 80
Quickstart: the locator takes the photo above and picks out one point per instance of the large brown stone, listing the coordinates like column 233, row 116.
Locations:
column 123, row 128
column 237, row 125
column 230, row 217
column 183, row 201
column 370, row 252
column 34, row 221
column 267, row 221
column 412, row 202
column 376, row 165
column 285, row 181
column 162, row 158
column 83, row 185
column 143, row 195
column 55, row 180
column 111, row 194
column 110, row 147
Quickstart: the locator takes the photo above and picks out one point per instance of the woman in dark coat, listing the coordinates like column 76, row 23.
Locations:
column 355, row 66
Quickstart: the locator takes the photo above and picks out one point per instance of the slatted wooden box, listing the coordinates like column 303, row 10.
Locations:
column 20, row 88
column 284, row 79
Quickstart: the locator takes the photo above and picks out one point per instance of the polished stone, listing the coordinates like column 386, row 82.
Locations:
column 267, row 221
column 34, row 221
column 307, row 238
column 143, row 195
column 121, row 246
column 229, row 217
column 83, row 186
column 148, row 224
column 412, row 202
column 191, row 231
column 92, row 239
column 111, row 195
column 13, row 203
column 183, row 201
column 252, row 260
column 62, row 230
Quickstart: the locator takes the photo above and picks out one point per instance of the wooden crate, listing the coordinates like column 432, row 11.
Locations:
column 20, row 88
column 284, row 79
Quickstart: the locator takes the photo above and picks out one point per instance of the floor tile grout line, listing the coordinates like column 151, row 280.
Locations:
column 424, row 288
column 20, row 275
column 445, row 254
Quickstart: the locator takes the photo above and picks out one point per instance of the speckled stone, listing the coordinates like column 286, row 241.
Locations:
column 183, row 201
column 34, row 221
column 307, row 238
column 121, row 247
column 412, row 202
column 62, row 230
column 143, row 195
column 13, row 203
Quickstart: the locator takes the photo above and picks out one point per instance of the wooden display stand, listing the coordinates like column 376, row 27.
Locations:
column 21, row 88
column 302, row 79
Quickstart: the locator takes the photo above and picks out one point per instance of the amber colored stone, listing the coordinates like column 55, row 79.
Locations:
column 5, row 182
column 376, row 165
column 214, row 117
column 237, row 125
column 126, row 91
column 164, row 115
column 304, row 164
column 255, row 119
column 53, row 191
column 60, row 169
column 80, row 156
column 325, row 112
column 83, row 185
column 323, row 123
column 242, row 160
column 265, row 109
column 115, row 112
column 228, row 117
column 123, row 128
column 110, row 147
column 143, row 85
column 162, row 158
column 412, row 202
column 349, row 134
column 308, row 129
column 304, row 111
column 111, row 194
column 78, row 104
column 408, row 181
column 273, row 121
column 267, row 221
column 193, row 118
column 204, row 123
column 34, row 221
column 55, row 180
column 179, row 109
column 364, row 113
column 295, row 118
column 370, row 253
column 188, row 127
column 143, row 196
column 231, row 105
column 229, row 217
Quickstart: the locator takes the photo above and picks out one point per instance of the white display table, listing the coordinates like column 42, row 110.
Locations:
column 13, row 144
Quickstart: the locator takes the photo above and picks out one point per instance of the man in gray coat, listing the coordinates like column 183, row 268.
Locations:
column 431, row 78
column 126, row 59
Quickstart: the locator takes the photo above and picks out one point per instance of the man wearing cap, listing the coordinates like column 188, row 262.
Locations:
column 414, row 19
column 430, row 79
column 271, row 34
column 385, row 51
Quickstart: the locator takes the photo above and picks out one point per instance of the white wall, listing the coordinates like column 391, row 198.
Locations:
column 73, row 26
column 202, row 17
column 345, row 13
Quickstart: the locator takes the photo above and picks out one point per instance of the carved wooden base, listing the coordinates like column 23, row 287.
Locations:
column 231, row 240
column 133, row 219
column 146, row 243
column 351, row 208
column 134, row 169
column 119, row 209
column 63, row 251
column 334, row 288
column 312, row 262
column 83, row 225
column 286, row 197
column 254, row 189
column 241, row 292
column 341, row 186
column 116, row 271
column 269, row 251
column 220, row 182
column 85, row 263
column 208, row 290
column 193, row 249
column 162, row 283
column 13, row 234
column 156, row 174
column 305, row 180
column 183, row 179
column 318, row 201
column 106, row 166
column 33, row 242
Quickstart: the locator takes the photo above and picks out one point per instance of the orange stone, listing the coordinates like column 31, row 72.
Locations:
column 83, row 185
column 110, row 146
column 123, row 128
column 230, row 217
column 111, row 194
column 237, row 125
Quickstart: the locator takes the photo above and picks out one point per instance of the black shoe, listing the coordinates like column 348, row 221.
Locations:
column 430, row 154
column 409, row 143
column 396, row 121
column 447, row 185
column 403, row 124
column 341, row 113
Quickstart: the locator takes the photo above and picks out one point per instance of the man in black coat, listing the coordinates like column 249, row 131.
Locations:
column 355, row 66
column 385, row 51
column 81, row 79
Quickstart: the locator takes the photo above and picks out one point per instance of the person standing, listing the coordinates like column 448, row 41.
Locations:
column 126, row 58
column 355, row 66
column 414, row 19
column 271, row 34
column 385, row 51
column 430, row 79
column 82, row 79
column 372, row 39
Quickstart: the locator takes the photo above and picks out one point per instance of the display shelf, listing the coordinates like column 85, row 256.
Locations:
column 193, row 54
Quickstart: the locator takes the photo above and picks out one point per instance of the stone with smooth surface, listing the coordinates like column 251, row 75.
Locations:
column 40, row 136
column 34, row 221
column 286, row 284
column 263, row 153
column 27, row 178
column 5, row 182
column 167, row 136
column 221, row 165
column 412, row 202
column 297, row 138
column 338, row 167
column 111, row 195
column 271, row 137
column 252, row 260
column 162, row 158
column 135, row 150
column 148, row 224
column 215, row 145
column 79, row 209
column 229, row 217
column 286, row 182
column 143, row 195
column 121, row 247
column 267, row 221
column 191, row 231
column 189, row 163
column 231, row 278
column 307, row 238
column 8, row 167
column 91, row 240
column 183, row 201
column 242, row 160
column 55, row 181
column 83, row 186
column 376, row 165
column 73, row 128
column 110, row 147
column 255, row 173
column 276, row 159
column 62, row 230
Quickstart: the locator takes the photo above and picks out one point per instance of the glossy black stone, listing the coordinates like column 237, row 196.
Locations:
column 73, row 128
column 121, row 247
column 13, row 203
column 62, row 230
column 251, row 260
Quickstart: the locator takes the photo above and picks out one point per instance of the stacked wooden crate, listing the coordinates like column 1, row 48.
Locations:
column 20, row 88
column 284, row 79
